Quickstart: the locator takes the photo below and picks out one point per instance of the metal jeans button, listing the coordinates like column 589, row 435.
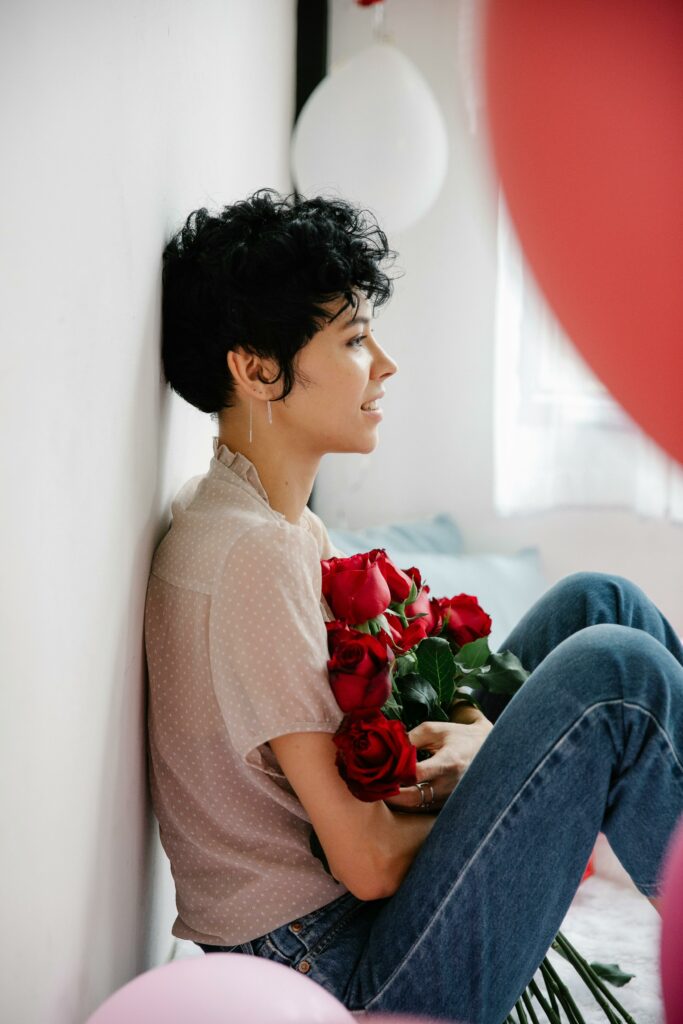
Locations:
column 304, row 966
column 296, row 926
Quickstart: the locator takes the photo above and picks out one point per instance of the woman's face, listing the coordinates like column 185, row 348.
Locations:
column 344, row 367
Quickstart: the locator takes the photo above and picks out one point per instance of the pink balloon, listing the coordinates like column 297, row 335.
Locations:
column 402, row 1018
column 221, row 988
column 671, row 936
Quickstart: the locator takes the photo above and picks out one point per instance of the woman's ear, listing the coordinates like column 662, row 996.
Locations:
column 247, row 368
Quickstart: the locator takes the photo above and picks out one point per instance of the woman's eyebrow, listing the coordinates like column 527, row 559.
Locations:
column 357, row 320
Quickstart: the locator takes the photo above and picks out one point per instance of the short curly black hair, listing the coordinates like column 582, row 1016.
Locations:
column 254, row 275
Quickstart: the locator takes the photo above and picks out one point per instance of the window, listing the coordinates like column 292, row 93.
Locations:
column 561, row 440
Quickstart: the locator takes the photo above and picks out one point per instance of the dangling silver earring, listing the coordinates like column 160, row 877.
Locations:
column 270, row 414
column 251, row 402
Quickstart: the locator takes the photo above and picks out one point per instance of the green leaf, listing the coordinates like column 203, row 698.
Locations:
column 406, row 663
column 436, row 664
column 381, row 620
column 474, row 654
column 480, row 670
column 414, row 687
column 420, row 701
column 506, row 673
column 612, row 973
column 391, row 708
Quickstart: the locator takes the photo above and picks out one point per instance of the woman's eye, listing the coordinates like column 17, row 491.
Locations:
column 359, row 338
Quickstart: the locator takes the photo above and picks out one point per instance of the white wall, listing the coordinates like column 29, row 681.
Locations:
column 117, row 120
column 435, row 449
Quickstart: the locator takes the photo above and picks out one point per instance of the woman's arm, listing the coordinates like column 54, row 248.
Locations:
column 406, row 834
column 369, row 847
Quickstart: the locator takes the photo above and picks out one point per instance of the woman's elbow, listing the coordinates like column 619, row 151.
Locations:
column 372, row 882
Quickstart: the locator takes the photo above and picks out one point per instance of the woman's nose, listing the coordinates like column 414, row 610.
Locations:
column 389, row 367
column 384, row 364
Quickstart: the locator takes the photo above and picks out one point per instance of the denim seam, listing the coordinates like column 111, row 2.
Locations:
column 639, row 707
column 503, row 814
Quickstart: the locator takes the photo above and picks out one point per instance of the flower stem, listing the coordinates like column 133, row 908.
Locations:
column 548, row 984
column 521, row 1016
column 553, row 1017
column 527, row 1000
column 593, row 981
column 565, row 996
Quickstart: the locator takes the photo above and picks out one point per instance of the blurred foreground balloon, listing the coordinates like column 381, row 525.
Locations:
column 671, row 938
column 585, row 107
column 222, row 988
column 402, row 1018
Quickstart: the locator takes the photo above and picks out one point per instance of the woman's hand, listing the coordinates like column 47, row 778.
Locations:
column 454, row 746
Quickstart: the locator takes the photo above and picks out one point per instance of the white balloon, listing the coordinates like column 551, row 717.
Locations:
column 373, row 132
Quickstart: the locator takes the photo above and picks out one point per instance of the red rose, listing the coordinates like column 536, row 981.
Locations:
column 355, row 587
column 359, row 668
column 404, row 637
column 374, row 755
column 432, row 619
column 416, row 577
column 398, row 581
column 464, row 619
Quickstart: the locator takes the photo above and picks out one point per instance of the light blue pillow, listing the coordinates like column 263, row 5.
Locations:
column 438, row 533
column 506, row 586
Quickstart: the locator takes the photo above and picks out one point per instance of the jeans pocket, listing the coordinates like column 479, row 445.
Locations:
column 309, row 935
column 326, row 932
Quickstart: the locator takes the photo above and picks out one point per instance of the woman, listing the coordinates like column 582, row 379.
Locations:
column 442, row 906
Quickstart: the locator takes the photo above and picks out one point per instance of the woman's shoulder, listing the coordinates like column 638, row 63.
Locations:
column 326, row 548
column 270, row 548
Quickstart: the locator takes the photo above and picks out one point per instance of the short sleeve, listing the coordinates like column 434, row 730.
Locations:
column 268, row 641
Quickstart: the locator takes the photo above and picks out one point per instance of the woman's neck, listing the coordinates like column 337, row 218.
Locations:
column 287, row 475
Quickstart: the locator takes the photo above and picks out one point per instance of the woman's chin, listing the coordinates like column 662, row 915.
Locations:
column 355, row 447
column 371, row 444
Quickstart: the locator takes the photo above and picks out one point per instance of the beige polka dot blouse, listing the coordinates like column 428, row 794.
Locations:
column 236, row 654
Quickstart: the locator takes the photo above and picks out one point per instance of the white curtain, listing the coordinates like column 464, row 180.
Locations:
column 560, row 439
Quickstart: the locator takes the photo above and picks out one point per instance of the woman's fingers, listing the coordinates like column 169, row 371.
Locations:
column 408, row 798
column 430, row 735
column 453, row 746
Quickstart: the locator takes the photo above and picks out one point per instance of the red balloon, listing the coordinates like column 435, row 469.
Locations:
column 671, row 936
column 585, row 108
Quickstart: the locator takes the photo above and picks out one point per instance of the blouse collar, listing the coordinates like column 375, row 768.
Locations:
column 246, row 469
column 241, row 465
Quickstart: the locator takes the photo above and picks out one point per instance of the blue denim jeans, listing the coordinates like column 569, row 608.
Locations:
column 592, row 742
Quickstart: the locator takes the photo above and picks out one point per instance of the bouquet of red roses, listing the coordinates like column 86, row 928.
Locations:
column 399, row 657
